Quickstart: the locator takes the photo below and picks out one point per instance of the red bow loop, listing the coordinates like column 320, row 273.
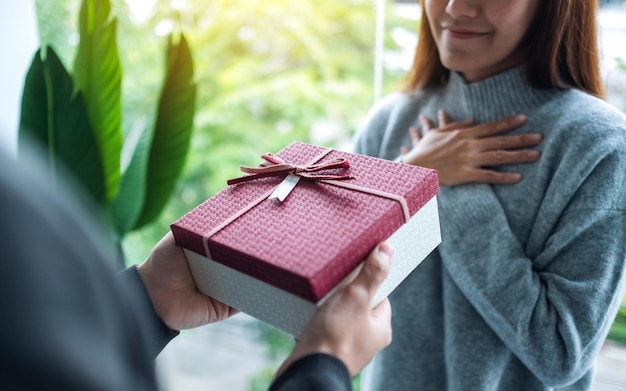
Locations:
column 275, row 166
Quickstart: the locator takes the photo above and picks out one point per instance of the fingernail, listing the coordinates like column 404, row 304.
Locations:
column 385, row 250
column 520, row 118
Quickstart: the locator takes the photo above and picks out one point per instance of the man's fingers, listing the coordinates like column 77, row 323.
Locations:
column 382, row 313
column 375, row 268
column 383, row 310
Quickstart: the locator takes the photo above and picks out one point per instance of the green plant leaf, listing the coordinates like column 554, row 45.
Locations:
column 98, row 74
column 172, row 131
column 127, row 206
column 55, row 116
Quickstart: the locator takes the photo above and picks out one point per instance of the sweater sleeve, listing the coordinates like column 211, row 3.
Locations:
column 160, row 334
column 67, row 322
column 554, row 310
column 315, row 372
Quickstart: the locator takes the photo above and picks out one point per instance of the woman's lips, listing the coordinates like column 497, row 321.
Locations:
column 463, row 33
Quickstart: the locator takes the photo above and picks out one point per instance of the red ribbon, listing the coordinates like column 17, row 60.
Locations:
column 275, row 166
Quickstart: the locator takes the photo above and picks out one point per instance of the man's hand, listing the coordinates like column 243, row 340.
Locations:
column 461, row 152
column 345, row 325
column 173, row 291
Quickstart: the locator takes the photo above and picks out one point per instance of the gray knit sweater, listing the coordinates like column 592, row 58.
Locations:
column 524, row 287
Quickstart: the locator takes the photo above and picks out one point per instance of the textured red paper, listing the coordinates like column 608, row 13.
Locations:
column 307, row 244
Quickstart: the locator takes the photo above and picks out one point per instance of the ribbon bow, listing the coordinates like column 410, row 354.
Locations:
column 275, row 166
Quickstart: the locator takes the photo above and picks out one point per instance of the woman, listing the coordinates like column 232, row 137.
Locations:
column 523, row 289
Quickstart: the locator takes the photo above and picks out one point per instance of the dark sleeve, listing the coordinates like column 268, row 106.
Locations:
column 68, row 323
column 158, row 332
column 315, row 372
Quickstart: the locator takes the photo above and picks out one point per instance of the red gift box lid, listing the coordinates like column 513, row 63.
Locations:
column 308, row 243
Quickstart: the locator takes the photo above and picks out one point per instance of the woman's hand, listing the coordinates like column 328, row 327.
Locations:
column 461, row 152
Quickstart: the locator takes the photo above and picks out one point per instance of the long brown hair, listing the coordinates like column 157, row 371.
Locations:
column 562, row 46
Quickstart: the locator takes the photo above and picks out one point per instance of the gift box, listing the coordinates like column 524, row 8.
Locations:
column 279, row 240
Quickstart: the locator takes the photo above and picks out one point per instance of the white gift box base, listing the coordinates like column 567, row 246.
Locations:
column 413, row 242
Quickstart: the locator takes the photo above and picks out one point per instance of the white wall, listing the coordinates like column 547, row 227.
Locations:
column 19, row 41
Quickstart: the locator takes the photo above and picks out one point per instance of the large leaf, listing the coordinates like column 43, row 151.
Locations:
column 98, row 74
column 128, row 205
column 172, row 131
column 56, row 117
column 160, row 154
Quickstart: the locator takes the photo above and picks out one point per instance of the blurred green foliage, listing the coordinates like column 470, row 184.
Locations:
column 618, row 330
column 279, row 346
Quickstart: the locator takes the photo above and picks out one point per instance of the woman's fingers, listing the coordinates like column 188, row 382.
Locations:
column 495, row 177
column 443, row 117
column 425, row 123
column 497, row 127
column 500, row 157
column 487, row 136
column 415, row 136
column 510, row 142
column 463, row 152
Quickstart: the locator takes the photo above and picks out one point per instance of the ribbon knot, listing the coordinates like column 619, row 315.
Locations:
column 275, row 166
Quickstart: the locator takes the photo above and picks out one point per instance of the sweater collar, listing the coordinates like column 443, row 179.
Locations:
column 496, row 97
